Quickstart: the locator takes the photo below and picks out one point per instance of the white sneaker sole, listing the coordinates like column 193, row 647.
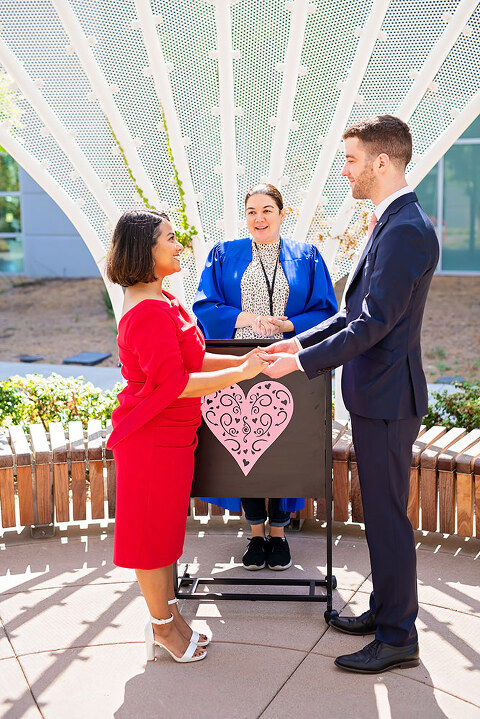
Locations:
column 279, row 567
column 254, row 567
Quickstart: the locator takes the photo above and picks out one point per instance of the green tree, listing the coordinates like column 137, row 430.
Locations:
column 8, row 174
column 9, row 109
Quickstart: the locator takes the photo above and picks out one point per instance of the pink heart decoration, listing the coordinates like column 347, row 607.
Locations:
column 248, row 426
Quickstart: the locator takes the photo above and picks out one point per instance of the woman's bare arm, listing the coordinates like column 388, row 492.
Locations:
column 213, row 362
column 202, row 383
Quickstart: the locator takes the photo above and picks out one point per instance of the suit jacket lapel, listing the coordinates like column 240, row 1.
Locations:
column 365, row 252
column 394, row 207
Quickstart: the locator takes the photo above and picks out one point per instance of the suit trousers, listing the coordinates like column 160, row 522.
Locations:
column 383, row 449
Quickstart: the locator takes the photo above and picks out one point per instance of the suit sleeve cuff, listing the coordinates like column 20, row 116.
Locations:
column 297, row 360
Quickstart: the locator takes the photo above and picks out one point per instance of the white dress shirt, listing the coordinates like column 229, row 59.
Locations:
column 382, row 206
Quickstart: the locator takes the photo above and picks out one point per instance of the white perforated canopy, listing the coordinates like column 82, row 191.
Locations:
column 247, row 91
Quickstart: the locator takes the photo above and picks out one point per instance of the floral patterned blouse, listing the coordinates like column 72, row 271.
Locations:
column 255, row 297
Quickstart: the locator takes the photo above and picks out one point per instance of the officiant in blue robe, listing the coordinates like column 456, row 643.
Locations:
column 263, row 286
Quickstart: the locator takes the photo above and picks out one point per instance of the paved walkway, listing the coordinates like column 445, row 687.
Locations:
column 103, row 377
column 71, row 635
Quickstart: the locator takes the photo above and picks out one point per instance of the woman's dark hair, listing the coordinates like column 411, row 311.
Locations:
column 263, row 188
column 130, row 256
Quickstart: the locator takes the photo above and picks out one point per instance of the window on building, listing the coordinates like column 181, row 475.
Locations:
column 11, row 250
column 450, row 195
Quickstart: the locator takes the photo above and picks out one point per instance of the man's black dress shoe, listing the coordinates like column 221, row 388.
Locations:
column 379, row 657
column 364, row 624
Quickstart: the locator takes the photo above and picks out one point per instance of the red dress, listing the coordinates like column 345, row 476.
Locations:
column 154, row 433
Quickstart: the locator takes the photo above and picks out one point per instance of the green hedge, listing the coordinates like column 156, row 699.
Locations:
column 457, row 409
column 36, row 399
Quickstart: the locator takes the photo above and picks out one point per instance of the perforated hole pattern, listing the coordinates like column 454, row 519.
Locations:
column 36, row 36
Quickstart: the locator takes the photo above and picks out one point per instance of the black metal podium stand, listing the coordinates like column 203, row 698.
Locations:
column 298, row 462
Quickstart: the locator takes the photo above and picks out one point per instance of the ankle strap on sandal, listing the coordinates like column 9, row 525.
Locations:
column 173, row 601
column 161, row 621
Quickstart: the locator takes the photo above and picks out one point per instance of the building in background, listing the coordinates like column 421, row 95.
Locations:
column 38, row 240
column 450, row 195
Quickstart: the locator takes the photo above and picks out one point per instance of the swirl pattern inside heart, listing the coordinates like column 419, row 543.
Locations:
column 248, row 426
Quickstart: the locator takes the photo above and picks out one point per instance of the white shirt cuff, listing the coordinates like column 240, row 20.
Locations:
column 297, row 342
column 297, row 360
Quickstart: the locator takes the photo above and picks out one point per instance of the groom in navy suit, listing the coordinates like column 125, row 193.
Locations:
column 376, row 338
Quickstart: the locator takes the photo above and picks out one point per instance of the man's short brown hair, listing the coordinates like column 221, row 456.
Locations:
column 130, row 257
column 384, row 134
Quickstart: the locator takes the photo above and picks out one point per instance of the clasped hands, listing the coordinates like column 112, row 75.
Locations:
column 267, row 326
column 280, row 357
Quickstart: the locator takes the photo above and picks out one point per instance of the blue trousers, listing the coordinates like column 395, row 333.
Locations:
column 383, row 450
column 256, row 513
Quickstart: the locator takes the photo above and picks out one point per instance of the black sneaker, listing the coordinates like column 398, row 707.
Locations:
column 255, row 556
column 278, row 553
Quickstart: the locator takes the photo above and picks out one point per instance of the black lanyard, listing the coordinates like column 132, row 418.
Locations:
column 270, row 287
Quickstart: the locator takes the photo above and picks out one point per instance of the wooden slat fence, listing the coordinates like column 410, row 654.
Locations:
column 56, row 476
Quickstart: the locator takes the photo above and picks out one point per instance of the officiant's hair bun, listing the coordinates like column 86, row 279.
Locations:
column 264, row 188
column 384, row 134
column 130, row 258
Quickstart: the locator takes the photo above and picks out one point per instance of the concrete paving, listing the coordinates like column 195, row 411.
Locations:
column 103, row 377
column 72, row 624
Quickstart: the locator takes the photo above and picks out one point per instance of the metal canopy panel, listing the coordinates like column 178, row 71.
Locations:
column 248, row 91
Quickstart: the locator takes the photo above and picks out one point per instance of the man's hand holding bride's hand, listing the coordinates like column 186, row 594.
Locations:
column 275, row 361
column 247, row 355
column 281, row 363
column 288, row 346
column 254, row 362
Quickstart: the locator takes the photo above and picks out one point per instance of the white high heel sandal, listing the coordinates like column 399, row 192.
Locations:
column 195, row 635
column 151, row 643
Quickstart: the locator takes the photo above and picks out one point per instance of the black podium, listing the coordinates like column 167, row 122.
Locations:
column 265, row 438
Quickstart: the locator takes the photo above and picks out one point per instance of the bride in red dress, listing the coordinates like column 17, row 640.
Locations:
column 167, row 370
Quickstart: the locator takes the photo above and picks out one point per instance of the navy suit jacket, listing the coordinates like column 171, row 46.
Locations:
column 376, row 337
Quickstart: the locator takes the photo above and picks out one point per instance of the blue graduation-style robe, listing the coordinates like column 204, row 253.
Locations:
column 218, row 303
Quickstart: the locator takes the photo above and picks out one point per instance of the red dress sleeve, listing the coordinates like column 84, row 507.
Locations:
column 151, row 335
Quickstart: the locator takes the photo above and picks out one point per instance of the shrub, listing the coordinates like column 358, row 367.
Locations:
column 458, row 409
column 36, row 399
column 108, row 304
